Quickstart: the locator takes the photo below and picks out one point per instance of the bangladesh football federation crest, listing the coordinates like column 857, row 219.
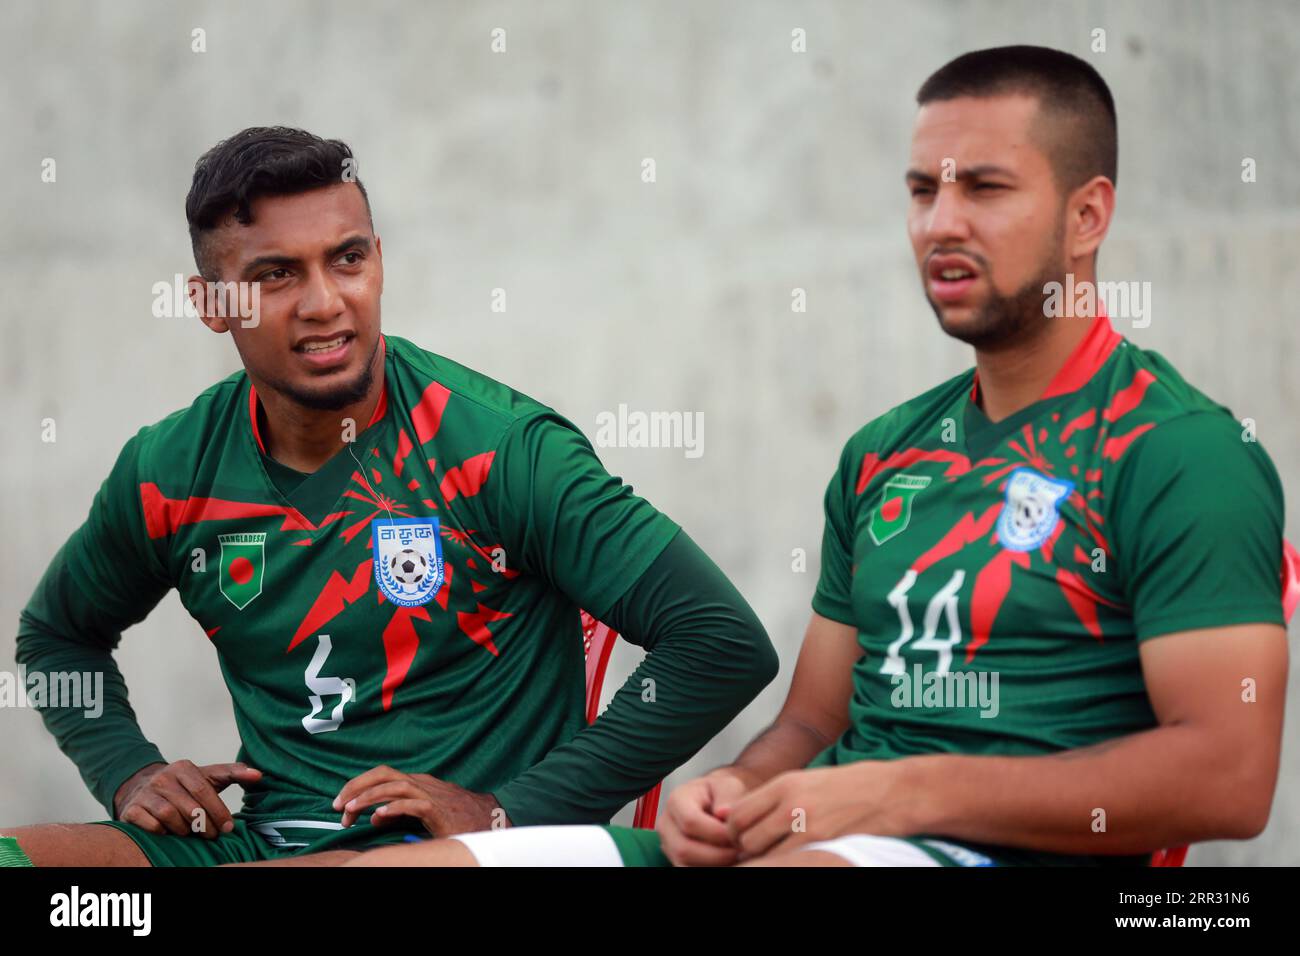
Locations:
column 408, row 559
column 895, row 509
column 1030, row 514
column 243, row 564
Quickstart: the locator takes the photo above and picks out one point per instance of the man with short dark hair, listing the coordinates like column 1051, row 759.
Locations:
column 1048, row 627
column 388, row 552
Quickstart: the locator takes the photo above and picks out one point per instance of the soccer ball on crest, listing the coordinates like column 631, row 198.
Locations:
column 409, row 567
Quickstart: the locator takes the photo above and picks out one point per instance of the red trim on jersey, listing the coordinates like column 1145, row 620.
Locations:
column 965, row 532
column 1083, row 363
column 991, row 587
column 468, row 478
column 873, row 464
column 1114, row 448
column 404, row 447
column 1083, row 600
column 380, row 407
column 426, row 416
column 252, row 417
column 338, row 593
column 1088, row 357
column 1129, row 398
column 400, row 644
column 163, row 515
column 1086, row 420
column 475, row 626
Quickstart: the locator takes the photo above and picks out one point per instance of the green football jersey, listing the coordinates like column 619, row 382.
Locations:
column 414, row 602
column 1001, row 576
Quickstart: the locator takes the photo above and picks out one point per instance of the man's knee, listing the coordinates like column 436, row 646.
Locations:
column 799, row 858
column 325, row 858
column 75, row 844
column 427, row 853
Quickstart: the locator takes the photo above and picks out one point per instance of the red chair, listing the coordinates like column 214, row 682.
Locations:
column 597, row 644
column 1174, row 856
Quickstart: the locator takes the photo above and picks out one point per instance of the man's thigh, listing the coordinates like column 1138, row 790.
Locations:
column 799, row 858
column 114, row 843
column 449, row 852
column 867, row 850
column 327, row 858
column 76, row 844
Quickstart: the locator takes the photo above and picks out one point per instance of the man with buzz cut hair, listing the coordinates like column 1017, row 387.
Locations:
column 397, row 548
column 1069, row 524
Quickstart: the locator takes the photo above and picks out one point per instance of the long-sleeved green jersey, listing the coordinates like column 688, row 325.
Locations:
column 414, row 602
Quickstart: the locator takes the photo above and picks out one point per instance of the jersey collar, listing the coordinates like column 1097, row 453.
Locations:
column 1083, row 363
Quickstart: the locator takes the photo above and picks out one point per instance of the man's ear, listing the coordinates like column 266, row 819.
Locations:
column 379, row 254
column 1090, row 209
column 196, row 287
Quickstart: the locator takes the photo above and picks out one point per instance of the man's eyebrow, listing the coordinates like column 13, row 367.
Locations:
column 355, row 243
column 969, row 172
column 358, row 242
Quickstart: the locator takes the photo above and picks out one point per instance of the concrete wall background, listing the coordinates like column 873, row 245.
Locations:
column 521, row 170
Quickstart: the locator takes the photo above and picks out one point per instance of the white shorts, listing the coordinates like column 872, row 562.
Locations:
column 543, row 846
column 593, row 846
column 861, row 849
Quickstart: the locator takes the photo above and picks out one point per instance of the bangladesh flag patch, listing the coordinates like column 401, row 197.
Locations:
column 243, row 563
column 895, row 509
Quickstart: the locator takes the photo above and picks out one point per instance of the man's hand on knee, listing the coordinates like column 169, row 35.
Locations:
column 181, row 798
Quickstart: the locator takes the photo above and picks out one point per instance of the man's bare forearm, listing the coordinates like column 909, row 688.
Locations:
column 1135, row 794
column 789, row 744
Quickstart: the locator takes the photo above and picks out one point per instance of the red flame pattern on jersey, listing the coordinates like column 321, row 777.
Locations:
column 977, row 535
column 400, row 638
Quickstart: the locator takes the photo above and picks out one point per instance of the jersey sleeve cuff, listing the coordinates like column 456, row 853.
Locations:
column 526, row 807
column 1201, row 618
column 835, row 610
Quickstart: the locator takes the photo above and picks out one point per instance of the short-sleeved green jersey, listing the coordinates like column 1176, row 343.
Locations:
column 414, row 602
column 1002, row 575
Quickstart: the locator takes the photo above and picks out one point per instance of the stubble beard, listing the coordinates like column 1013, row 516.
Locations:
column 1005, row 321
column 337, row 397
